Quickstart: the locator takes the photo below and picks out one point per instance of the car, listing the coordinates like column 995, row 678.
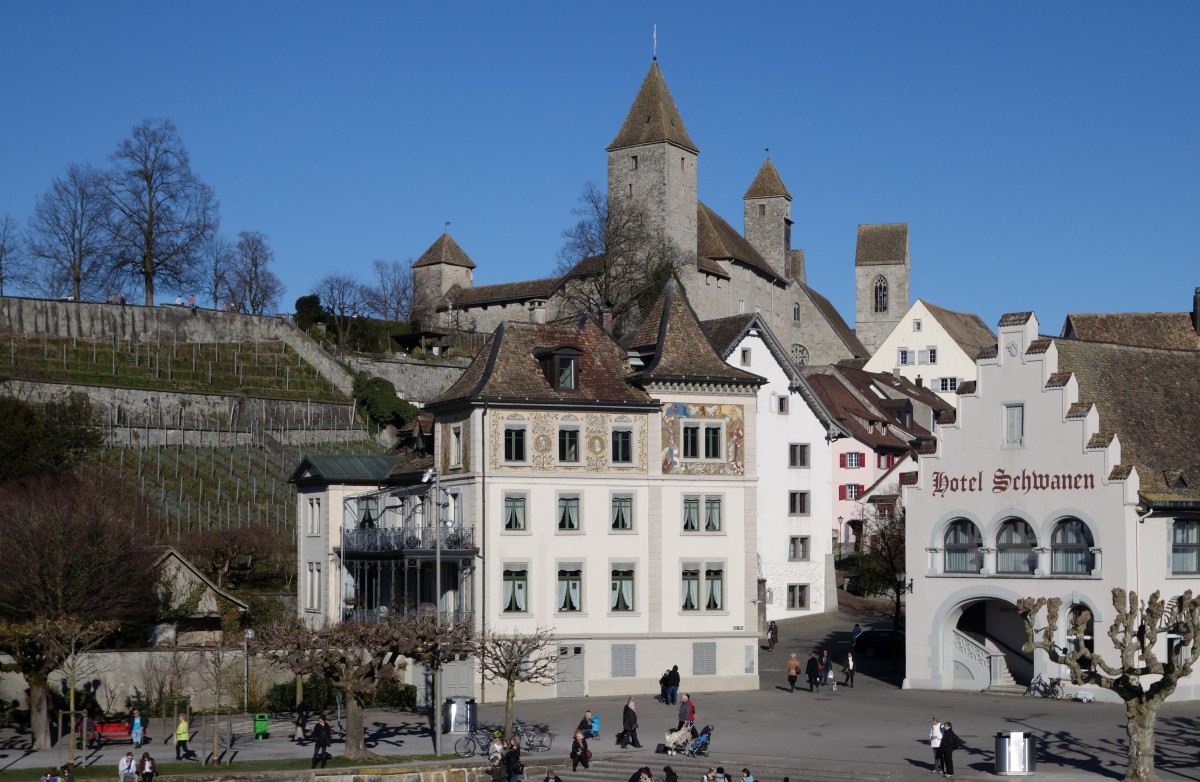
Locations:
column 879, row 642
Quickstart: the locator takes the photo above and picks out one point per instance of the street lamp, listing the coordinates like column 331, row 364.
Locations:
column 249, row 634
column 437, row 602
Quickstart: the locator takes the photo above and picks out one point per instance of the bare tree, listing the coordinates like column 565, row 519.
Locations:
column 517, row 657
column 613, row 258
column 226, row 554
column 220, row 674
column 354, row 657
column 343, row 297
column 391, row 297
column 1135, row 633
column 161, row 213
column 432, row 644
column 213, row 272
column 881, row 554
column 253, row 286
column 67, row 237
column 12, row 252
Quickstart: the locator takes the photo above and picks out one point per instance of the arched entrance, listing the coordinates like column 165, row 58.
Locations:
column 983, row 638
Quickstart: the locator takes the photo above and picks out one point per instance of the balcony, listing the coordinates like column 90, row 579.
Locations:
column 457, row 540
column 382, row 615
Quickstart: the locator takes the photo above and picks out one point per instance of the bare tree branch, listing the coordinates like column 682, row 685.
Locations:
column 517, row 657
column 391, row 297
column 12, row 253
column 343, row 297
column 68, row 242
column 253, row 286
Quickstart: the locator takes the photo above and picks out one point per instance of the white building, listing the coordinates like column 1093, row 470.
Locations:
column 1070, row 468
column 795, row 472
column 934, row 347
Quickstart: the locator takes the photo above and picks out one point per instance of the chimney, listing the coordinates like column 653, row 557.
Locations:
column 537, row 311
column 1196, row 311
column 606, row 315
column 920, row 382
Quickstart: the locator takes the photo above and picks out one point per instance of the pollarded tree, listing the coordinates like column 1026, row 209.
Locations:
column 1141, row 677
column 253, row 286
column 67, row 236
column 517, row 657
column 433, row 644
column 160, row 213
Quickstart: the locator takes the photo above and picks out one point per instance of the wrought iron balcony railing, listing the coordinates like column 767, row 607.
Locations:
column 455, row 538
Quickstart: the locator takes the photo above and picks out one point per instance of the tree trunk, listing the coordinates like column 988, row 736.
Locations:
column 508, row 709
column 1140, row 717
column 39, row 712
column 355, row 747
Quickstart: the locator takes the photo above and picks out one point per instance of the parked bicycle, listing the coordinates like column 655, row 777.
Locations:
column 535, row 738
column 475, row 741
column 1051, row 688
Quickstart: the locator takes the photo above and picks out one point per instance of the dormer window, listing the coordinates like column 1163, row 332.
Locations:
column 561, row 368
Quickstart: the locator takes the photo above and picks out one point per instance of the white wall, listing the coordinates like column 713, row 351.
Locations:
column 951, row 360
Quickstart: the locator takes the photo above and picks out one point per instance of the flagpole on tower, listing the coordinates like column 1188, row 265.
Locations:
column 654, row 36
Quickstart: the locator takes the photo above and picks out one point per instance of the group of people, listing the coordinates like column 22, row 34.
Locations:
column 506, row 765
column 130, row 770
column 718, row 775
column 944, row 741
column 819, row 671
column 64, row 774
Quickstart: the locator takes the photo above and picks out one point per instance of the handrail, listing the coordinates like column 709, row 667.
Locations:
column 409, row 537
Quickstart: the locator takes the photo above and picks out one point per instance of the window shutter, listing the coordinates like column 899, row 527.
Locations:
column 704, row 658
column 624, row 660
column 842, row 460
column 842, row 492
column 862, row 459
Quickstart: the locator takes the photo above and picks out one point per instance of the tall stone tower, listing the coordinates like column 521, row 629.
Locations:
column 441, row 267
column 881, row 269
column 767, row 220
column 652, row 162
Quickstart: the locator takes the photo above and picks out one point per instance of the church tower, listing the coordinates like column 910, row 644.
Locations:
column 767, row 220
column 652, row 163
column 881, row 269
column 443, row 266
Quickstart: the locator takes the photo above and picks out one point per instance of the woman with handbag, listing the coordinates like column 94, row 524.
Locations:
column 629, row 725
column 580, row 754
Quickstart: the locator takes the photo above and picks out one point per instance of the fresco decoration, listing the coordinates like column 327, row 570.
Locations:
column 734, row 418
column 594, row 430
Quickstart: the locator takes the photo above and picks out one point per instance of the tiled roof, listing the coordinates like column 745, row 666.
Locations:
column 444, row 250
column 967, row 329
column 408, row 463
column 709, row 266
column 1170, row 330
column 716, row 238
column 724, row 333
column 836, row 386
column 881, row 244
column 675, row 347
column 1058, row 379
column 1039, row 345
column 1149, row 398
column 479, row 295
column 1100, row 440
column 653, row 117
column 1079, row 410
column 1015, row 319
column 768, row 183
column 967, row 388
column 986, row 353
column 835, row 321
column 506, row 369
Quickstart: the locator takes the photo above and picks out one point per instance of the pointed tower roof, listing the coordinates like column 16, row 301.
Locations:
column 653, row 118
column 768, row 183
column 676, row 348
column 444, row 250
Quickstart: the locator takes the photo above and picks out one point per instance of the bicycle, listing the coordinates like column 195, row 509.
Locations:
column 535, row 738
column 476, row 741
column 1047, row 689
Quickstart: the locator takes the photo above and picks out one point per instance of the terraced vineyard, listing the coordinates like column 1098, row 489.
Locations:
column 259, row 368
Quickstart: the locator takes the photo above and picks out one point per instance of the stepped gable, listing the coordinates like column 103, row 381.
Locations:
column 1149, row 398
column 653, row 118
column 507, row 368
column 1169, row 330
column 717, row 240
column 880, row 244
column 834, row 318
column 966, row 328
column 768, row 183
column 674, row 346
column 444, row 250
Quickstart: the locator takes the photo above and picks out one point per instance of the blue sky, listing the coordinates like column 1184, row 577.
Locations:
column 1044, row 154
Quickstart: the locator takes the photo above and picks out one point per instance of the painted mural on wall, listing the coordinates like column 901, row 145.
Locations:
column 677, row 460
column 594, row 441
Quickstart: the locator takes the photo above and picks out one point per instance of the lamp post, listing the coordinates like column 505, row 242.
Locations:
column 246, row 669
column 437, row 602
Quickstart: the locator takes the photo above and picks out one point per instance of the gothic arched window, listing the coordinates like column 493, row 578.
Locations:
column 796, row 310
column 881, row 294
column 800, row 354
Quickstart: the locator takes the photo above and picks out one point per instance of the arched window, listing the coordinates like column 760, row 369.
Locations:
column 1014, row 548
column 795, row 310
column 800, row 354
column 881, row 294
column 962, row 548
column 1071, row 548
column 1077, row 641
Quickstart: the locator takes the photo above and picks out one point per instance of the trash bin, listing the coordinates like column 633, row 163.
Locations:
column 458, row 715
column 1016, row 753
column 261, row 729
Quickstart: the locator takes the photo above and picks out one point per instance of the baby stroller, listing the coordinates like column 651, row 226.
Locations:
column 700, row 744
column 678, row 741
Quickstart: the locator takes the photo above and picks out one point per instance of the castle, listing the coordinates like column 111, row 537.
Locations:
column 653, row 167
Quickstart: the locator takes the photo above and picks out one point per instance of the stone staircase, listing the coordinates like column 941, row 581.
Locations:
column 618, row 766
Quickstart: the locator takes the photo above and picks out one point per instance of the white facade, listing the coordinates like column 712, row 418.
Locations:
column 921, row 347
column 1023, row 498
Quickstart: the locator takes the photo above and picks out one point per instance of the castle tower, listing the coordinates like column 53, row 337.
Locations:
column 443, row 266
column 881, row 269
column 652, row 162
column 767, row 221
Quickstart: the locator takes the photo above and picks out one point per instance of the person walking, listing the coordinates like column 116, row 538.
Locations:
column 772, row 635
column 935, row 741
column 687, row 711
column 127, row 769
column 496, row 770
column 580, row 754
column 855, row 632
column 848, row 670
column 671, row 692
column 826, row 668
column 629, row 725
column 793, row 671
column 147, row 767
column 137, row 729
column 512, row 760
column 950, row 742
column 181, row 739
column 322, row 738
column 812, row 669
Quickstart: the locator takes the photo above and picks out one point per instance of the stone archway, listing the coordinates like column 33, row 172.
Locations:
column 981, row 642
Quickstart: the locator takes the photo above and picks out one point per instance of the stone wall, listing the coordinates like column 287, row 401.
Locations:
column 415, row 381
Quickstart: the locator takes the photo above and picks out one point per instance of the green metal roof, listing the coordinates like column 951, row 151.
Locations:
column 327, row 468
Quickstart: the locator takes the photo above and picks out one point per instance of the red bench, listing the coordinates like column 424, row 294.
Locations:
column 110, row 732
